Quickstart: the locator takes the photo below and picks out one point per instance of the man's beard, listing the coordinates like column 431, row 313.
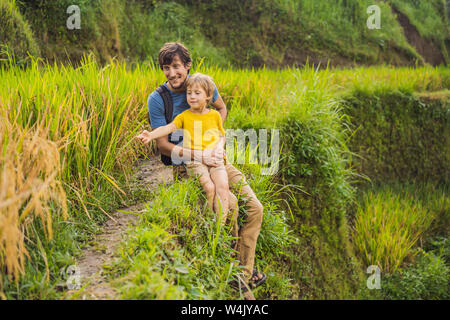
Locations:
column 180, row 86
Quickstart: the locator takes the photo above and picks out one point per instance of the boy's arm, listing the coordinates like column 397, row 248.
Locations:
column 159, row 132
column 163, row 131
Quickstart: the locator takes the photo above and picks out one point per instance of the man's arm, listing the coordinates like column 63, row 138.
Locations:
column 167, row 148
column 220, row 106
column 210, row 157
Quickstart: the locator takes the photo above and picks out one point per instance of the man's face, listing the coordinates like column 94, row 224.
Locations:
column 176, row 73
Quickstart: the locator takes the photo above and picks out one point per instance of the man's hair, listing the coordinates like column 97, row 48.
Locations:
column 204, row 82
column 171, row 49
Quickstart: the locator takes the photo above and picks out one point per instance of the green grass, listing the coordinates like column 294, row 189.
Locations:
column 16, row 37
column 91, row 113
column 430, row 18
column 179, row 250
column 273, row 32
column 391, row 222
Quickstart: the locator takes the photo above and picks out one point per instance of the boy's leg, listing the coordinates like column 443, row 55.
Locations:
column 219, row 177
column 249, row 232
column 200, row 170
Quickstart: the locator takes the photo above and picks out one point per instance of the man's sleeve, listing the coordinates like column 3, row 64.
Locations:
column 215, row 94
column 156, row 110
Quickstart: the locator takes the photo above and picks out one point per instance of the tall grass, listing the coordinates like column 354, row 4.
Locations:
column 64, row 132
column 390, row 223
column 180, row 250
column 30, row 188
column 67, row 140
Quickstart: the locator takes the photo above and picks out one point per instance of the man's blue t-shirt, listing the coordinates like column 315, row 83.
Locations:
column 180, row 104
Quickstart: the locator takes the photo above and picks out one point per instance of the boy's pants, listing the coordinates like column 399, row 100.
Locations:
column 249, row 232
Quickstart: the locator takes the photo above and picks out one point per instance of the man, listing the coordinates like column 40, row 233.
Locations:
column 174, row 60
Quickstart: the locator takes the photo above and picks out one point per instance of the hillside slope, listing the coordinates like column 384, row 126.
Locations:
column 245, row 34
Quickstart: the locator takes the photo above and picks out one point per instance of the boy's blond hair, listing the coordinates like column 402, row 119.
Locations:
column 204, row 82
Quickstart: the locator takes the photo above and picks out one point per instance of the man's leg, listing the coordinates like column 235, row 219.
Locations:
column 249, row 232
column 233, row 215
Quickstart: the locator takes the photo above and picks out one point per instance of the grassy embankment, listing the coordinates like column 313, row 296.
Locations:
column 252, row 33
column 70, row 130
column 402, row 217
column 389, row 230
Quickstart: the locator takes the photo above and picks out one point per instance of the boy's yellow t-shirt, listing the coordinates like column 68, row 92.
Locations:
column 201, row 131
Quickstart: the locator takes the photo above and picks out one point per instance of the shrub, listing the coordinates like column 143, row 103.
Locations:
column 427, row 279
column 144, row 29
column 399, row 137
column 16, row 38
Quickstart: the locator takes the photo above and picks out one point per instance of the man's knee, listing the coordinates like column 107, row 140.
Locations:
column 257, row 210
column 232, row 198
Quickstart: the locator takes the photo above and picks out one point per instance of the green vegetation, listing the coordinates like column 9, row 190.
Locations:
column 426, row 279
column 16, row 37
column 179, row 250
column 388, row 225
column 400, row 137
column 287, row 32
column 85, row 119
column 142, row 38
column 245, row 34
column 431, row 20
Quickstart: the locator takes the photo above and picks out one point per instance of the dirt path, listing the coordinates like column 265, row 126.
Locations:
column 148, row 175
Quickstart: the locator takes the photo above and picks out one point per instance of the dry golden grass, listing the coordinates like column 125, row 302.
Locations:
column 29, row 185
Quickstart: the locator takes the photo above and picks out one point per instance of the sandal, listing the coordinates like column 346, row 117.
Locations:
column 240, row 285
column 244, row 288
column 256, row 283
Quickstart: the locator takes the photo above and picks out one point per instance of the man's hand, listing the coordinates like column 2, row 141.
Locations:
column 214, row 157
column 145, row 137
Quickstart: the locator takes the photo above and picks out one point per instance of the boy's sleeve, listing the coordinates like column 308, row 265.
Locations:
column 179, row 120
column 156, row 110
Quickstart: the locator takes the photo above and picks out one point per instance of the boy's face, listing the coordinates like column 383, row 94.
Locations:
column 196, row 97
column 176, row 73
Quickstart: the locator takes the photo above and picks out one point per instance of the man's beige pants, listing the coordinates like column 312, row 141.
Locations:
column 249, row 232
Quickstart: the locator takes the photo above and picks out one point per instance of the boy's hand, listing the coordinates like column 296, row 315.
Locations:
column 145, row 137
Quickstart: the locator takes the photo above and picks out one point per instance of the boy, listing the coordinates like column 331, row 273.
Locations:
column 202, row 130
